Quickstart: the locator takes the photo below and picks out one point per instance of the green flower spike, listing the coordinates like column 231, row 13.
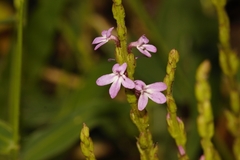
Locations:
column 175, row 125
column 205, row 118
column 229, row 63
column 148, row 150
column 86, row 143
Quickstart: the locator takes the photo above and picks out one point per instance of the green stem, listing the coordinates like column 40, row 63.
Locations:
column 86, row 143
column 205, row 118
column 175, row 125
column 229, row 62
column 148, row 150
column 15, row 78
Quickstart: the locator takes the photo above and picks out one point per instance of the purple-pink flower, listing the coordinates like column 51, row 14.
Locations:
column 142, row 46
column 106, row 36
column 151, row 91
column 117, row 78
column 181, row 150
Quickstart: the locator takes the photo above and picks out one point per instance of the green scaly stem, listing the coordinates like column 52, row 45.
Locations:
column 148, row 150
column 86, row 143
column 229, row 63
column 205, row 118
column 175, row 125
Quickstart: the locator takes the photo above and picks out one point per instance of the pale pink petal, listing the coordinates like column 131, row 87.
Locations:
column 106, row 36
column 139, row 85
column 157, row 97
column 181, row 150
column 104, row 33
column 134, row 44
column 100, row 44
column 202, row 157
column 128, row 83
column 143, row 51
column 109, row 32
column 158, row 86
column 142, row 102
column 146, row 53
column 99, row 39
column 119, row 68
column 143, row 39
column 150, row 47
column 106, row 79
column 115, row 68
column 115, row 87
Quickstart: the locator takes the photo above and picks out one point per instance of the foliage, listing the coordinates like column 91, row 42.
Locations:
column 59, row 69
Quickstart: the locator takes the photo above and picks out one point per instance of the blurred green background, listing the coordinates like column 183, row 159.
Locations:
column 60, row 67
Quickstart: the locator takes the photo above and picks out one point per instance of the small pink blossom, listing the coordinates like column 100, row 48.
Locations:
column 181, row 150
column 142, row 46
column 202, row 157
column 116, row 78
column 106, row 36
column 151, row 91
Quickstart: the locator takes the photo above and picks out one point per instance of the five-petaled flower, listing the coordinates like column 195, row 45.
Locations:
column 106, row 36
column 151, row 91
column 117, row 78
column 142, row 46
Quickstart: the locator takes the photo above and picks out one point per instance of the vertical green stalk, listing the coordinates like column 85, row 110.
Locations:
column 15, row 77
column 205, row 118
column 229, row 63
column 175, row 125
column 148, row 150
column 86, row 143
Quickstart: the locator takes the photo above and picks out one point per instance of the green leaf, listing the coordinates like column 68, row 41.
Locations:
column 6, row 138
column 40, row 35
column 61, row 135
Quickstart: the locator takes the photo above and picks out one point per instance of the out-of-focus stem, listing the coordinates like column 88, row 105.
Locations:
column 175, row 125
column 148, row 150
column 229, row 63
column 86, row 143
column 205, row 118
column 121, row 53
column 15, row 79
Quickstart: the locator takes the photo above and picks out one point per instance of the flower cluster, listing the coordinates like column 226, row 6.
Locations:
column 141, row 44
column 118, row 76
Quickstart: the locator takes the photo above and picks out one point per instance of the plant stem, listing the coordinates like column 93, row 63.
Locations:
column 205, row 118
column 175, row 125
column 148, row 150
column 86, row 143
column 15, row 78
column 229, row 62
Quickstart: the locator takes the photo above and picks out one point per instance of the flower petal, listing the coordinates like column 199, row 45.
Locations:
column 104, row 33
column 145, row 52
column 99, row 45
column 115, row 87
column 128, row 83
column 143, row 39
column 99, row 40
column 139, row 85
column 150, row 47
column 119, row 68
column 154, row 87
column 109, row 32
column 106, row 79
column 157, row 97
column 142, row 102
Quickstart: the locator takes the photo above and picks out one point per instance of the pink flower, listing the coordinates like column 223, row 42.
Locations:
column 151, row 91
column 181, row 150
column 202, row 157
column 142, row 46
column 106, row 36
column 116, row 78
